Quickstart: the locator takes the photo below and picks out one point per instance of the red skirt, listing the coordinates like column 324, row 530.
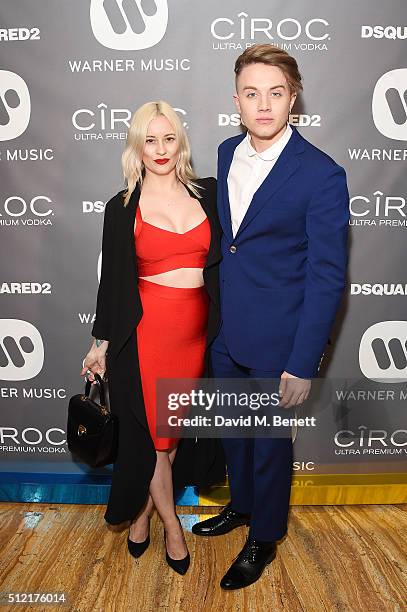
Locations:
column 171, row 338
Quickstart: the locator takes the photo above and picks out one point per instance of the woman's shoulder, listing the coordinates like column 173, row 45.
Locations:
column 117, row 198
column 115, row 202
column 208, row 186
column 207, row 181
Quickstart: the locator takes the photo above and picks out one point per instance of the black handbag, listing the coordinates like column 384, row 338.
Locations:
column 92, row 431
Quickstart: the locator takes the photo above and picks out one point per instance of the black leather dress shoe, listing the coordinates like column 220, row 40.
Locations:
column 224, row 522
column 249, row 564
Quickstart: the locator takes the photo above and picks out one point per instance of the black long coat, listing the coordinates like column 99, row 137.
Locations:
column 118, row 312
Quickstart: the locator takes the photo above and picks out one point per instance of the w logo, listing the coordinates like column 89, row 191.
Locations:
column 21, row 350
column 383, row 352
column 129, row 25
column 389, row 104
column 15, row 105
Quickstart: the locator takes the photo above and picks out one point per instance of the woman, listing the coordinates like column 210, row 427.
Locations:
column 157, row 312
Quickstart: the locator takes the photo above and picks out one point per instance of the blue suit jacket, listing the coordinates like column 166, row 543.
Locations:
column 282, row 285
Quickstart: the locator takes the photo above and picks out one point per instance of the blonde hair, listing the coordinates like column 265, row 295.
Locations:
column 132, row 164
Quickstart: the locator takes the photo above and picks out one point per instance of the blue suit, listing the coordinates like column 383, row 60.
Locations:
column 282, row 277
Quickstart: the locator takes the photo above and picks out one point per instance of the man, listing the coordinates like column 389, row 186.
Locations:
column 284, row 208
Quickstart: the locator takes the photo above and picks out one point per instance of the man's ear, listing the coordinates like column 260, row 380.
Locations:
column 292, row 100
column 237, row 103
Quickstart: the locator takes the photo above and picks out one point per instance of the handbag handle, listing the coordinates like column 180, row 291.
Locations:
column 101, row 388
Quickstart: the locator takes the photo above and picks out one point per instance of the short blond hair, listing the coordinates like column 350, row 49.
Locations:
column 132, row 164
column 272, row 56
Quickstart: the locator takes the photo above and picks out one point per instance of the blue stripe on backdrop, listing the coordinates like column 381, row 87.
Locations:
column 68, row 489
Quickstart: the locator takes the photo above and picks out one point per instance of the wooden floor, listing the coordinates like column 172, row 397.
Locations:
column 335, row 558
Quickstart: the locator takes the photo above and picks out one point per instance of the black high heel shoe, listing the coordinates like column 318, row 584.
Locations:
column 178, row 565
column 136, row 549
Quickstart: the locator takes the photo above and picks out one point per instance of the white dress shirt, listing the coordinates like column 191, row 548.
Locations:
column 247, row 172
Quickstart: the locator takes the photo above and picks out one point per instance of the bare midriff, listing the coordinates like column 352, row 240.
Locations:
column 181, row 277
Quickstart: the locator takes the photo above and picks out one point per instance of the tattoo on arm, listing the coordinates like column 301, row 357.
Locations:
column 98, row 342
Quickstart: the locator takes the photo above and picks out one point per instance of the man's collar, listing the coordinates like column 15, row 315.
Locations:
column 272, row 152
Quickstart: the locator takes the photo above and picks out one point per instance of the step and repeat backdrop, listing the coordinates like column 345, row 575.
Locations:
column 71, row 75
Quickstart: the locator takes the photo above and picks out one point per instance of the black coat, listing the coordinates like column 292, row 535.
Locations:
column 118, row 312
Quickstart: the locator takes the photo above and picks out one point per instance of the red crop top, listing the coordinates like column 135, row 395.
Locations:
column 160, row 250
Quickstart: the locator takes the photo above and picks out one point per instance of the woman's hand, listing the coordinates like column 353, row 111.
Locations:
column 95, row 360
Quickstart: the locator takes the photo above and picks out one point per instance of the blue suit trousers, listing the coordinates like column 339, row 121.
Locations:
column 259, row 469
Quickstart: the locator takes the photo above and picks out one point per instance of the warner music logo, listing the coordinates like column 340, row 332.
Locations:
column 389, row 104
column 383, row 352
column 40, row 393
column 86, row 318
column 11, row 34
column 13, row 155
column 303, row 466
column 104, row 123
column 21, row 350
column 378, row 210
column 167, row 64
column 25, row 288
column 15, row 105
column 389, row 113
column 242, row 31
column 129, row 25
column 378, row 289
column 298, row 120
column 378, row 31
column 16, row 211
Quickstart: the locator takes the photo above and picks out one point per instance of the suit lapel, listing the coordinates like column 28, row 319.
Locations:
column 224, row 167
column 285, row 166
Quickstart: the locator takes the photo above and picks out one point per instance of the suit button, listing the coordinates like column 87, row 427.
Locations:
column 233, row 249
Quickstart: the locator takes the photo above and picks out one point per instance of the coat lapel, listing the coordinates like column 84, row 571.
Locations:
column 126, row 269
column 130, row 218
column 285, row 166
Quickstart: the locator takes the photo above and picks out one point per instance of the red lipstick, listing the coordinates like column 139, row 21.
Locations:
column 161, row 161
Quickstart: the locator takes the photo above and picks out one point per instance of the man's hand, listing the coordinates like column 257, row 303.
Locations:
column 293, row 390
